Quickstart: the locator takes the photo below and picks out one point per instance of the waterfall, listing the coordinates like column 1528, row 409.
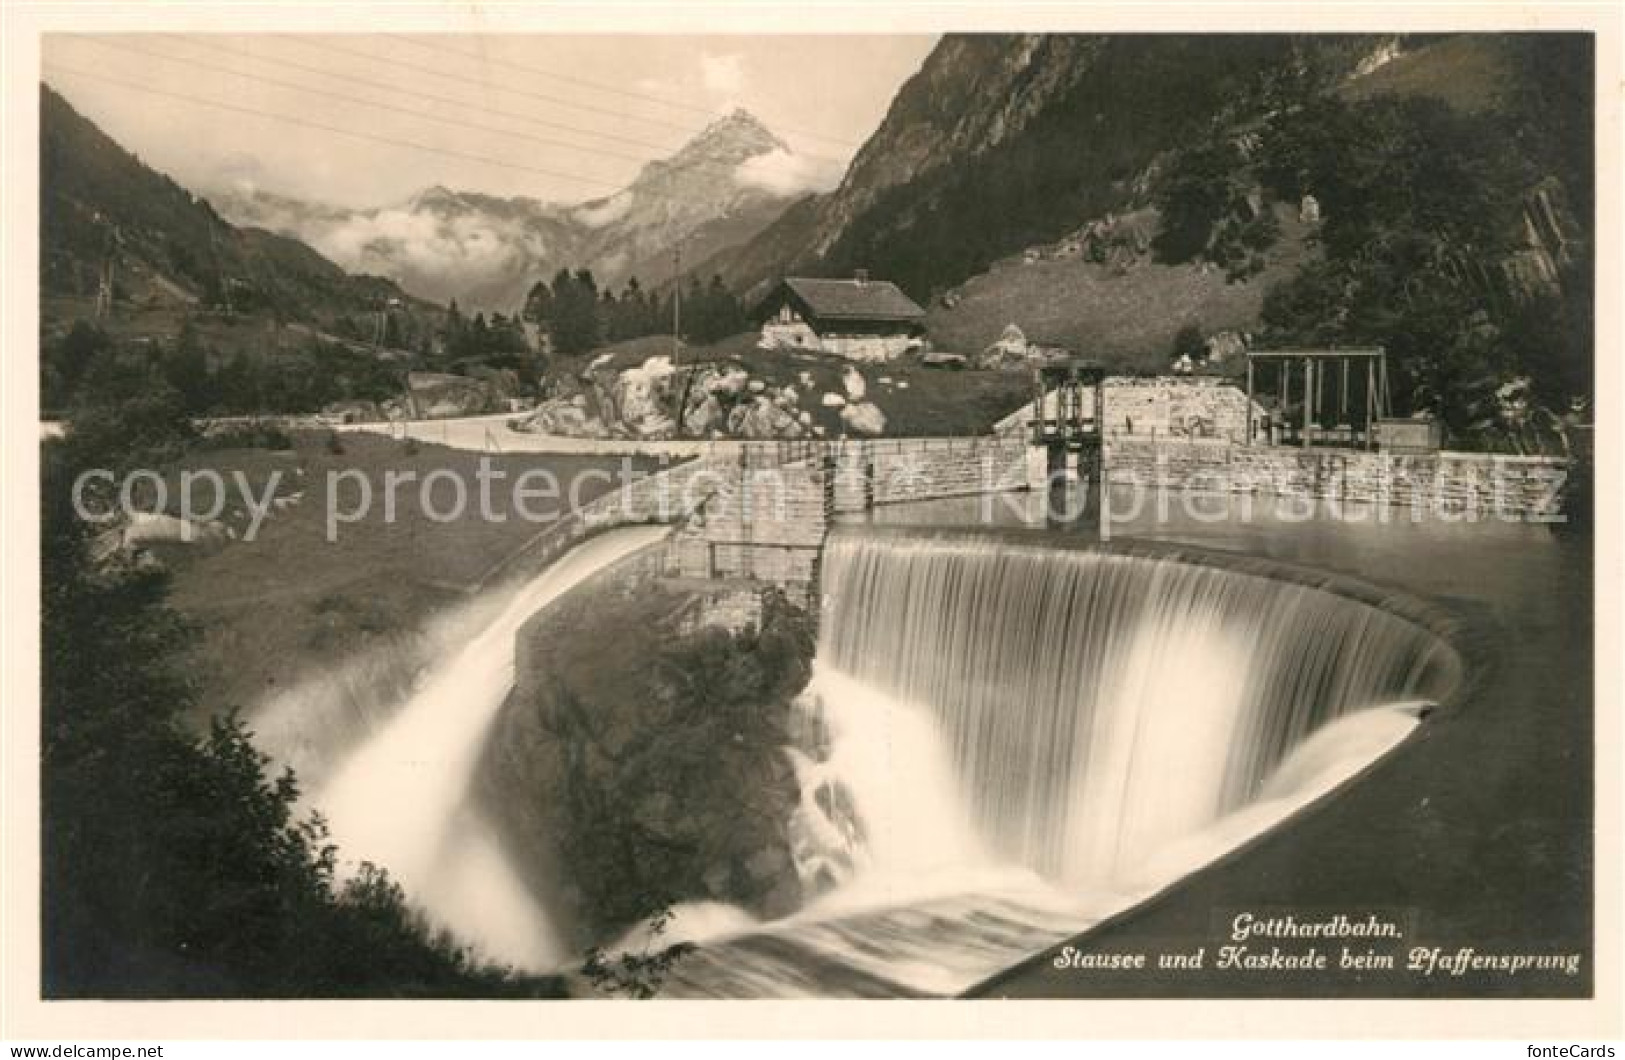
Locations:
column 1004, row 742
column 401, row 800
column 1097, row 706
column 1015, row 740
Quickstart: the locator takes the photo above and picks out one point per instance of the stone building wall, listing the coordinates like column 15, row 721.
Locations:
column 1161, row 407
column 795, row 335
column 868, row 349
column 1164, row 407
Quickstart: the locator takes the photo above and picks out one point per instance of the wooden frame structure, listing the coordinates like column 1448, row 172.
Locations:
column 1314, row 366
column 1074, row 441
column 1070, row 428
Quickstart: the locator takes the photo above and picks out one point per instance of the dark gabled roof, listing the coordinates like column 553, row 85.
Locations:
column 853, row 299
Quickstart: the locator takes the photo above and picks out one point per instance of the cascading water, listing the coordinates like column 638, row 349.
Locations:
column 1097, row 705
column 402, row 799
column 1023, row 739
column 1008, row 741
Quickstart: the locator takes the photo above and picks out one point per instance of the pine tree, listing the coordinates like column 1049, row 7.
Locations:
column 573, row 325
column 456, row 330
column 538, row 303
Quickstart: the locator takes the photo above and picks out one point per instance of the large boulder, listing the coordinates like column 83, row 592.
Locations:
column 357, row 411
column 144, row 528
column 761, row 418
column 396, row 409
column 504, row 382
column 568, row 417
column 865, row 417
column 436, row 395
column 1010, row 348
column 641, row 398
column 1226, row 345
column 703, row 415
column 853, row 383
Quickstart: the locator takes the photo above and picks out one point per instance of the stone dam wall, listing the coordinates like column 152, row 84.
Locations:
column 756, row 515
column 894, row 471
column 757, row 523
column 1524, row 488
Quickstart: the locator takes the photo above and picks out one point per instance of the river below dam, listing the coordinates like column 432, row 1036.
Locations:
column 1026, row 736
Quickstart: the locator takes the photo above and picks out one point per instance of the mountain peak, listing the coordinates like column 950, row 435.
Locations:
column 741, row 118
column 736, row 136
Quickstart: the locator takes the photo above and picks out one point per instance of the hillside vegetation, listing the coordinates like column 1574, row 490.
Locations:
column 1126, row 313
column 234, row 319
column 173, row 249
column 1452, row 175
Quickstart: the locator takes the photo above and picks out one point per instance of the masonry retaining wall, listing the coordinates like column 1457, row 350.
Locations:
column 759, row 523
column 1521, row 487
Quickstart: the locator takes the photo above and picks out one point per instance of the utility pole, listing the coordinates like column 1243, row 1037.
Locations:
column 676, row 302
column 677, row 333
column 219, row 275
column 105, row 278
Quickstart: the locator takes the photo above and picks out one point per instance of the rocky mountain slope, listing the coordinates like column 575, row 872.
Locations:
column 1004, row 141
column 1110, row 191
column 717, row 191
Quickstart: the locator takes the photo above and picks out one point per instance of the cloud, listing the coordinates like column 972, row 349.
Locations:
column 432, row 254
column 784, row 173
column 600, row 213
column 723, row 75
column 239, row 171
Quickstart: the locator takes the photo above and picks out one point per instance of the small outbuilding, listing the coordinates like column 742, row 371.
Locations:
column 860, row 319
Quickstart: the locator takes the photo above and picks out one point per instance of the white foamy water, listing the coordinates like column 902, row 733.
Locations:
column 1017, row 742
column 401, row 800
column 1028, row 740
column 915, row 920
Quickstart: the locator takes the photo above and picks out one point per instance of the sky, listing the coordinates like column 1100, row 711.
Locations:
column 368, row 120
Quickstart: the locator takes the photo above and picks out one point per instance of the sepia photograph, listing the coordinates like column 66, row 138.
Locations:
column 916, row 509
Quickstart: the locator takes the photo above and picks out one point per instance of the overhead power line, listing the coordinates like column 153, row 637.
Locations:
column 664, row 149
column 289, row 119
column 429, row 96
column 306, row 123
column 599, row 86
column 457, row 123
column 577, row 104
